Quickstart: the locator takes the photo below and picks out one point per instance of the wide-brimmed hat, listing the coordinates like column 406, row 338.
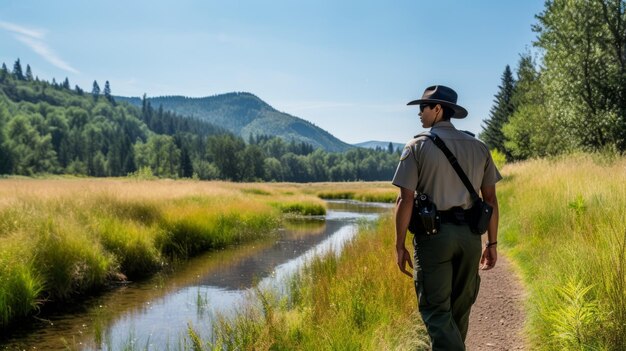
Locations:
column 439, row 94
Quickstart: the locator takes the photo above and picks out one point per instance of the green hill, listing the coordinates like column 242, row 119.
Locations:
column 244, row 114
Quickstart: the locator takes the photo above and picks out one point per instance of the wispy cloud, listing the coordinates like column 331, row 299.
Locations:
column 34, row 39
column 29, row 32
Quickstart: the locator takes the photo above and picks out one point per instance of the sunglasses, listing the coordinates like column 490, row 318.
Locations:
column 423, row 106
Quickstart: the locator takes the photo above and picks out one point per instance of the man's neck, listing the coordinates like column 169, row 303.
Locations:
column 443, row 123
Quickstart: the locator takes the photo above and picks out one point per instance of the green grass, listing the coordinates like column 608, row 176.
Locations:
column 20, row 286
column 564, row 223
column 358, row 301
column 386, row 196
column 60, row 239
column 300, row 208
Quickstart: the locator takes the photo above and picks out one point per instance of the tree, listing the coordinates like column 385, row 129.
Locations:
column 273, row 169
column 107, row 92
column 32, row 152
column 584, row 45
column 160, row 154
column 252, row 163
column 390, row 148
column 5, row 151
column 29, row 74
column 66, row 84
column 95, row 91
column 186, row 166
column 295, row 167
column 226, row 152
column 17, row 70
column 499, row 114
column 4, row 72
column 530, row 130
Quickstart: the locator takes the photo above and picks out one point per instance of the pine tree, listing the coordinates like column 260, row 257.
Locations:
column 95, row 91
column 390, row 148
column 107, row 92
column 29, row 73
column 66, row 84
column 17, row 70
column 499, row 114
column 186, row 167
column 4, row 71
column 78, row 90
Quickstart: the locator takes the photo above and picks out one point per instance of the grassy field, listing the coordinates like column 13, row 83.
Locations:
column 563, row 222
column 62, row 238
column 358, row 301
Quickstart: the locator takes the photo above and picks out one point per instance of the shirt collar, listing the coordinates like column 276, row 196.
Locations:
column 442, row 125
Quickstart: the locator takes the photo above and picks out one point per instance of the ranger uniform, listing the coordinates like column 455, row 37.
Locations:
column 446, row 264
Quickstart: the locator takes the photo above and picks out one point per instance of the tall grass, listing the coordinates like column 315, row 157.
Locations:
column 564, row 222
column 358, row 301
column 368, row 192
column 63, row 238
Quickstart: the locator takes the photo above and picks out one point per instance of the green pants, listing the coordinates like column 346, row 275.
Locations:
column 446, row 283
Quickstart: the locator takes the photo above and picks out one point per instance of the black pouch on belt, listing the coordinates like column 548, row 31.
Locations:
column 424, row 219
column 480, row 215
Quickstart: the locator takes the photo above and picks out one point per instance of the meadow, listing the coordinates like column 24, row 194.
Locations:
column 563, row 224
column 355, row 301
column 61, row 239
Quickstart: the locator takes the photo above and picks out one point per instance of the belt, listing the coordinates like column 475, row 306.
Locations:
column 455, row 215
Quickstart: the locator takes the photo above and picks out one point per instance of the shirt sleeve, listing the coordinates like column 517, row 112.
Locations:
column 406, row 173
column 492, row 175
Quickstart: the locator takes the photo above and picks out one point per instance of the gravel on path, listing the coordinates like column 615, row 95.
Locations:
column 497, row 317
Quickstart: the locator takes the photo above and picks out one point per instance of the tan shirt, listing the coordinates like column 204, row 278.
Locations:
column 423, row 167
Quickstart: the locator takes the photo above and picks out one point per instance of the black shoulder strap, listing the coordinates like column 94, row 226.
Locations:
column 453, row 161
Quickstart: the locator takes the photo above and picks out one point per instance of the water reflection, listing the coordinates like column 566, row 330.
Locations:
column 156, row 313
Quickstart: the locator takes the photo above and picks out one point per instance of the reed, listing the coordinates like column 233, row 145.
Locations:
column 62, row 238
column 21, row 286
column 355, row 301
column 564, row 223
column 368, row 192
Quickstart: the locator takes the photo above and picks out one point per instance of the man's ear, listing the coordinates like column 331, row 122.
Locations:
column 438, row 108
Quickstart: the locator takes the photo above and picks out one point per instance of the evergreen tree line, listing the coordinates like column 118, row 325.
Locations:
column 46, row 127
column 571, row 97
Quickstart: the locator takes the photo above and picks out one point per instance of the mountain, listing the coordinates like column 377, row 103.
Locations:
column 244, row 114
column 373, row 144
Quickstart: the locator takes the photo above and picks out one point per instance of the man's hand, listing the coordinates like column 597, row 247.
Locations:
column 404, row 257
column 489, row 258
column 404, row 208
column 490, row 254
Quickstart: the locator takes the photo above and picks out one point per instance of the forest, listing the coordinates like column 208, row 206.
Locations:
column 52, row 128
column 571, row 94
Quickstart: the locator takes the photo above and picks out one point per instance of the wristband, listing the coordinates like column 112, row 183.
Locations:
column 490, row 244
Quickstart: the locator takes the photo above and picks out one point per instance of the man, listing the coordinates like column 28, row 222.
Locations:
column 446, row 263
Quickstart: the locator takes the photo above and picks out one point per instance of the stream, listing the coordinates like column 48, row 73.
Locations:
column 155, row 313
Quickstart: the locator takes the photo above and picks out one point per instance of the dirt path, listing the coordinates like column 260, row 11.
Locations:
column 497, row 317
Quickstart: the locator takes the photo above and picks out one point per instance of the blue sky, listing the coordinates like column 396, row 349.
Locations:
column 350, row 67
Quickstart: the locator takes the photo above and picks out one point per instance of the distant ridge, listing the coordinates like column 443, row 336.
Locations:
column 245, row 114
column 373, row 144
